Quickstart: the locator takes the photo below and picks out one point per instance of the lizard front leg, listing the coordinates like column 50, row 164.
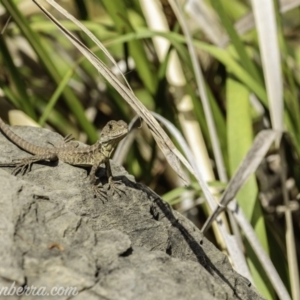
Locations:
column 97, row 188
column 113, row 184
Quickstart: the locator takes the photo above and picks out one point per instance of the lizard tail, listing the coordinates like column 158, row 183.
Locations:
column 33, row 149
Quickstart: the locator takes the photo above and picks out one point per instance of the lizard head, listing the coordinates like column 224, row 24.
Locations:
column 112, row 133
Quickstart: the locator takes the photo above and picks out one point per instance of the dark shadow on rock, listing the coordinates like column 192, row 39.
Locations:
column 190, row 240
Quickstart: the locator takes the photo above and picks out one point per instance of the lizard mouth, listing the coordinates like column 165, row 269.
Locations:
column 122, row 135
column 113, row 132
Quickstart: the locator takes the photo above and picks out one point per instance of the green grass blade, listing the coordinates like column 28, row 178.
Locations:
column 60, row 88
column 220, row 54
column 236, row 41
column 118, row 12
column 34, row 40
column 240, row 137
column 16, row 80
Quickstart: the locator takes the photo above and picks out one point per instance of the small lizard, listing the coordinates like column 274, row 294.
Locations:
column 90, row 156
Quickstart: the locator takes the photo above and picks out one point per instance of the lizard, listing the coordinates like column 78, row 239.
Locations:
column 90, row 156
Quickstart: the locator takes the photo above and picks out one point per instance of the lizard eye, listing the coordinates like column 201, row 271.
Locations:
column 110, row 126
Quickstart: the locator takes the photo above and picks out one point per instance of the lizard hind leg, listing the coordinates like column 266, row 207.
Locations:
column 23, row 165
column 67, row 142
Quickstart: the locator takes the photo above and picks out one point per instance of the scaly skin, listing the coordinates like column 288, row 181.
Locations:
column 90, row 156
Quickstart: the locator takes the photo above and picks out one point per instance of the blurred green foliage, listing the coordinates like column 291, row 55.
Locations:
column 43, row 75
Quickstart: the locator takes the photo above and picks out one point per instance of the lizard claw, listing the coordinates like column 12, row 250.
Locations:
column 99, row 192
column 22, row 165
column 116, row 186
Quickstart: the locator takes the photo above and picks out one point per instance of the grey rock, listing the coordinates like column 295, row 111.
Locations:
column 55, row 234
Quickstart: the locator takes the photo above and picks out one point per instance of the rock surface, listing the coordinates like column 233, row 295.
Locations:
column 54, row 234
